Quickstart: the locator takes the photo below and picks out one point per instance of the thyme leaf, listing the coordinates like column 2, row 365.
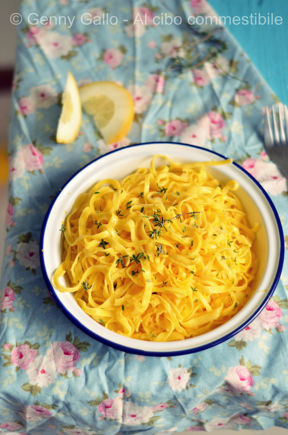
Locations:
column 103, row 244
column 120, row 260
column 86, row 285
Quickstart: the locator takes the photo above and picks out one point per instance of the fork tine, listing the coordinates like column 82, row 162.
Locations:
column 281, row 123
column 268, row 133
column 275, row 125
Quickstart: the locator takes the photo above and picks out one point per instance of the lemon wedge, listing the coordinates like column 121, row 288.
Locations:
column 111, row 106
column 71, row 114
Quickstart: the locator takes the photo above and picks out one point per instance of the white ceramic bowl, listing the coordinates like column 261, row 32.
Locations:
column 118, row 164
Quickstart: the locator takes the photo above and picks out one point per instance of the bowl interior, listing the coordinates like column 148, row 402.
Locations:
column 117, row 165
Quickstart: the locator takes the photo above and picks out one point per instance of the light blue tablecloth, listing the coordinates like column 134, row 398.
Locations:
column 54, row 378
column 263, row 42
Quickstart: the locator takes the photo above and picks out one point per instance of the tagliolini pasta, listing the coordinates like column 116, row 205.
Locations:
column 164, row 254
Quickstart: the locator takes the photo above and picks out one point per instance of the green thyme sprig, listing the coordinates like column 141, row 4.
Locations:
column 138, row 257
column 98, row 224
column 154, row 234
column 159, row 249
column 103, row 244
column 161, row 190
column 121, row 260
column 134, row 272
column 86, row 285
column 158, row 220
column 178, row 216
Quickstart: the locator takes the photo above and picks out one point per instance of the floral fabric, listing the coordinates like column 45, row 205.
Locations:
column 54, row 378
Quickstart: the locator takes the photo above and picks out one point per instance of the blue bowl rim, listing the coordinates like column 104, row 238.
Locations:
column 185, row 351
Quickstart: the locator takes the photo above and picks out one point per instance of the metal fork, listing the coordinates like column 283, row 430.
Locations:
column 276, row 136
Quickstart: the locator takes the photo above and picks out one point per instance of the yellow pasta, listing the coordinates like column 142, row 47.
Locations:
column 164, row 254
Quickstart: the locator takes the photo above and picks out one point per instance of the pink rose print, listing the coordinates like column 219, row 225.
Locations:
column 35, row 413
column 240, row 378
column 199, row 408
column 104, row 148
column 120, row 144
column 111, row 408
column 242, row 419
column 156, row 83
column 178, row 379
column 32, row 157
column 140, row 358
column 77, row 372
column 160, row 407
column 199, row 6
column 7, row 300
column 32, row 35
column 175, row 127
column 96, row 12
column 172, row 48
column 142, row 97
column 9, row 216
column 16, row 167
column 151, row 44
column 201, row 77
column 219, row 423
column 195, row 429
column 79, row 39
column 28, row 254
column 54, row 44
column 267, row 174
column 113, row 57
column 250, row 333
column 143, row 15
column 42, row 372
column 134, row 414
column 135, row 29
column 217, row 124
column 43, row 96
column 78, row 432
column 124, row 393
column 87, row 147
column 197, row 134
column 26, row 105
column 22, row 356
column 10, row 426
column 64, row 355
column 7, row 346
column 128, row 413
column 219, row 67
column 271, row 315
column 9, row 250
column 244, row 97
